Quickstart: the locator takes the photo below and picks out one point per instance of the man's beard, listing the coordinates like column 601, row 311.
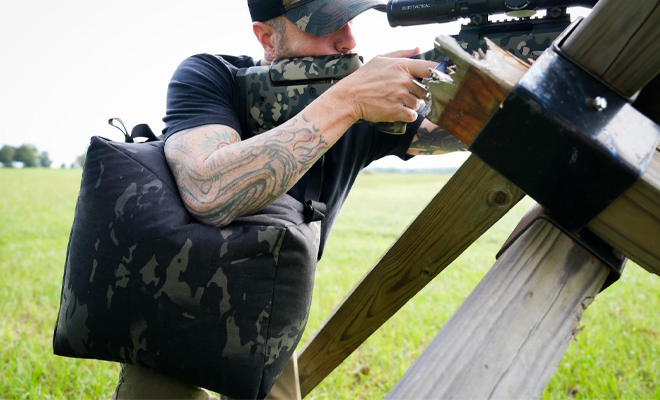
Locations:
column 282, row 48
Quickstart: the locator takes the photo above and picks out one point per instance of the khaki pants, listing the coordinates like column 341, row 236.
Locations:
column 137, row 382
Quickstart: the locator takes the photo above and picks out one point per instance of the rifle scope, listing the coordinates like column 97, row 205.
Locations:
column 419, row 12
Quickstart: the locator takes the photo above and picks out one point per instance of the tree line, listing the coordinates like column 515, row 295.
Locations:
column 30, row 157
column 26, row 154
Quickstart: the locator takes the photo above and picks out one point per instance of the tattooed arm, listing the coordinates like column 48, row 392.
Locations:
column 221, row 177
column 431, row 139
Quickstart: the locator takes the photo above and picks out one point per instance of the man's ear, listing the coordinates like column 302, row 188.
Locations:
column 266, row 36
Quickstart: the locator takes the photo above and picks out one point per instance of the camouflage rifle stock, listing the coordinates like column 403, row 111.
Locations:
column 273, row 94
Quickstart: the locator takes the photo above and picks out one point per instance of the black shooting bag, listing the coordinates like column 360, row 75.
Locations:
column 146, row 284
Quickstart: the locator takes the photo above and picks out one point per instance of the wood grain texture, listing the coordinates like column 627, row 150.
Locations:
column 466, row 99
column 480, row 97
column 508, row 337
column 444, row 229
column 620, row 43
column 631, row 224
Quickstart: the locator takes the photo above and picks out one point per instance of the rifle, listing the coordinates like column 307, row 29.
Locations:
column 271, row 95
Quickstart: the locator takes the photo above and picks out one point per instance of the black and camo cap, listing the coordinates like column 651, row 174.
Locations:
column 318, row 17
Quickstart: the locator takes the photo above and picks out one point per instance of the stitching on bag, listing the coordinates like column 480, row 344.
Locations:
column 272, row 307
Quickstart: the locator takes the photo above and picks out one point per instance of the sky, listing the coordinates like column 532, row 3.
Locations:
column 68, row 66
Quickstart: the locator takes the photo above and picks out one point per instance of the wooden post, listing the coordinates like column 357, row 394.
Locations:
column 508, row 337
column 469, row 204
column 619, row 43
column 462, row 105
column 503, row 342
column 632, row 222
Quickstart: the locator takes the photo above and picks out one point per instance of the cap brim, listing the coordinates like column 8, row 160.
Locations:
column 322, row 18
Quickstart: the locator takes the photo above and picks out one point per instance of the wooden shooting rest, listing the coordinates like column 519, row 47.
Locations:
column 507, row 338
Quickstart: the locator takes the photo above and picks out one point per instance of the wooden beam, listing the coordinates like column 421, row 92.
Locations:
column 620, row 43
column 446, row 227
column 464, row 101
column 630, row 224
column 462, row 105
column 510, row 334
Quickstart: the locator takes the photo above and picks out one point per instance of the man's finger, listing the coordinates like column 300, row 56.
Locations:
column 403, row 53
column 410, row 113
column 420, row 68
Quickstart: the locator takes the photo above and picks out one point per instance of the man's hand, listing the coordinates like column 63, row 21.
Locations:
column 383, row 89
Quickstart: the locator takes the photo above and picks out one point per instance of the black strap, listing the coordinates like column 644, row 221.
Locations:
column 141, row 130
column 112, row 122
column 315, row 180
column 314, row 209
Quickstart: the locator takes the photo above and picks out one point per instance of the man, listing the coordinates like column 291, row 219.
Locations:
column 223, row 174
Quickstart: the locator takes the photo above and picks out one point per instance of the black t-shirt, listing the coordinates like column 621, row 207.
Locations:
column 203, row 91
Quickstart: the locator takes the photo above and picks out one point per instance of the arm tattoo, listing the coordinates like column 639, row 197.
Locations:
column 221, row 178
column 214, row 141
column 436, row 141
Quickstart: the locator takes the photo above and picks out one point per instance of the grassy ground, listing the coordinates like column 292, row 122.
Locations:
column 36, row 208
column 616, row 356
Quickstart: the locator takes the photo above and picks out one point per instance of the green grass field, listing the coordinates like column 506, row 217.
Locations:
column 617, row 355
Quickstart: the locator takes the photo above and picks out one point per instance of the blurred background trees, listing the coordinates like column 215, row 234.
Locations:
column 7, row 155
column 30, row 157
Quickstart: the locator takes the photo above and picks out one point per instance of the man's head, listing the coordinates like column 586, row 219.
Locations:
column 289, row 28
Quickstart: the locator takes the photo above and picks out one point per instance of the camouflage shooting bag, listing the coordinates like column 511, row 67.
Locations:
column 146, row 284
